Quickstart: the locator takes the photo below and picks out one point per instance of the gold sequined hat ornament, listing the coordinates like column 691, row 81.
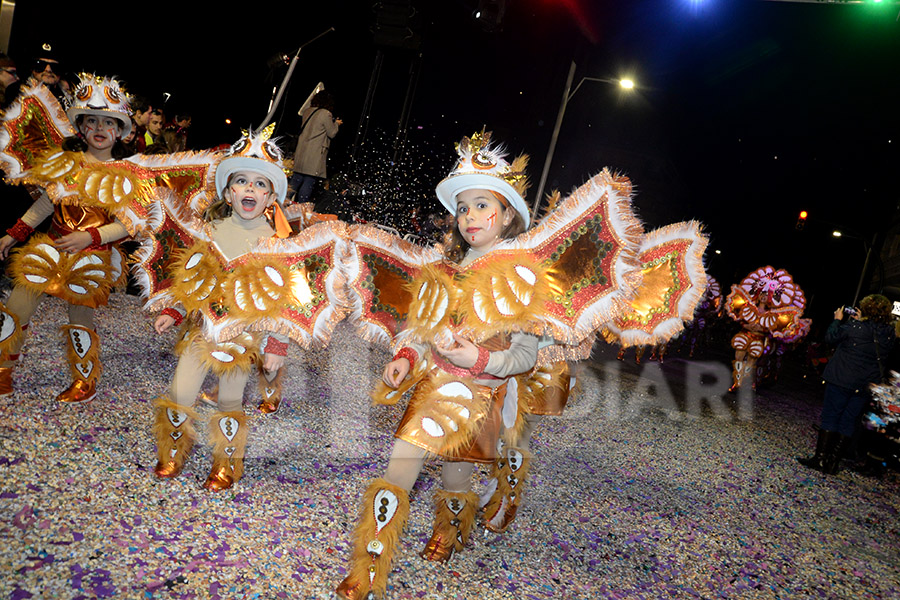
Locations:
column 483, row 166
column 254, row 152
column 101, row 96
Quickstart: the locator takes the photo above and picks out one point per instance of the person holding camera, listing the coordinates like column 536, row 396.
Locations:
column 863, row 342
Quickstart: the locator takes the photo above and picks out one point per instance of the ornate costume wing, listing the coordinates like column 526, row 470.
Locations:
column 34, row 127
column 379, row 268
column 130, row 188
column 674, row 282
column 293, row 285
column 589, row 247
column 170, row 230
column 289, row 286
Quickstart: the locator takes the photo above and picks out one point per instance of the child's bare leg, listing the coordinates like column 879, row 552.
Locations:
column 405, row 465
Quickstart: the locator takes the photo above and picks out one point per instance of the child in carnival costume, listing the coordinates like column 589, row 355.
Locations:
column 768, row 305
column 465, row 318
column 243, row 291
column 78, row 261
column 672, row 284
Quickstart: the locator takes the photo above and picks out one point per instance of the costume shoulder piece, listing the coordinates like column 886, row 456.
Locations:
column 131, row 188
column 34, row 127
column 588, row 248
column 673, row 284
column 288, row 286
column 380, row 267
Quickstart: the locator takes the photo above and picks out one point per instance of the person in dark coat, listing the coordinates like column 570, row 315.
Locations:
column 863, row 344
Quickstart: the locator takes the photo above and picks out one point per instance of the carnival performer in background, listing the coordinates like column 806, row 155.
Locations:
column 768, row 304
column 245, row 290
column 769, row 365
column 704, row 316
column 471, row 322
column 78, row 260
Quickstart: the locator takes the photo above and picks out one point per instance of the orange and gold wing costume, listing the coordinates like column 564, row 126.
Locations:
column 290, row 286
column 673, row 284
column 31, row 137
column 564, row 278
column 34, row 127
column 379, row 269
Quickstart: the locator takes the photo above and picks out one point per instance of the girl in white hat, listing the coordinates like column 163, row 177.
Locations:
column 467, row 333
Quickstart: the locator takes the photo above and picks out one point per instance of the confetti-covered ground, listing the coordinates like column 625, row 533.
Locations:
column 638, row 492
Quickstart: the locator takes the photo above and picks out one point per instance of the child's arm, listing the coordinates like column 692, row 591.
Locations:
column 167, row 318
column 79, row 240
column 518, row 358
column 274, row 349
column 34, row 216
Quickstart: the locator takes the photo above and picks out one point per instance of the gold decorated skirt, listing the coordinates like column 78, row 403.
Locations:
column 545, row 391
column 240, row 353
column 453, row 417
column 84, row 278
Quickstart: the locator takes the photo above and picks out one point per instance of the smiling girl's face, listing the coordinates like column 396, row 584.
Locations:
column 249, row 194
column 481, row 217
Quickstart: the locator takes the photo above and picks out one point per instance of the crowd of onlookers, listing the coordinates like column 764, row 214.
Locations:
column 153, row 130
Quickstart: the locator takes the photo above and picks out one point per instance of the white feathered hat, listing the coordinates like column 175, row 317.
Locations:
column 258, row 153
column 101, row 96
column 483, row 166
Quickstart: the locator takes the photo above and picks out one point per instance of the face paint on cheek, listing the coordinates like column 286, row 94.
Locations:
column 492, row 219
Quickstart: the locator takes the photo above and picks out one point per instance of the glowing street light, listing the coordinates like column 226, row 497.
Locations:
column 624, row 83
column 836, row 233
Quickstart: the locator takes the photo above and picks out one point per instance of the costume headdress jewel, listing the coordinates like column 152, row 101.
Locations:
column 477, row 154
column 257, row 145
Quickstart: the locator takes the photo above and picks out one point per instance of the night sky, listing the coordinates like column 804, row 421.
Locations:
column 746, row 112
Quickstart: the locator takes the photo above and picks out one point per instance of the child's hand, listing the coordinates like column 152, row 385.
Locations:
column 6, row 242
column 163, row 323
column 395, row 372
column 463, row 354
column 272, row 362
column 74, row 242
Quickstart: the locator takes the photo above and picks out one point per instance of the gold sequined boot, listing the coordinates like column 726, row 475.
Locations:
column 228, row 434
column 270, row 391
column 83, row 354
column 382, row 517
column 453, row 519
column 510, row 471
column 174, row 432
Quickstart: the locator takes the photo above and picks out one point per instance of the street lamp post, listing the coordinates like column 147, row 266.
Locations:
column 868, row 250
column 566, row 97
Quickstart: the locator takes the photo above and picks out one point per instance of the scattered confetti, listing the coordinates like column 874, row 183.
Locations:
column 625, row 500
